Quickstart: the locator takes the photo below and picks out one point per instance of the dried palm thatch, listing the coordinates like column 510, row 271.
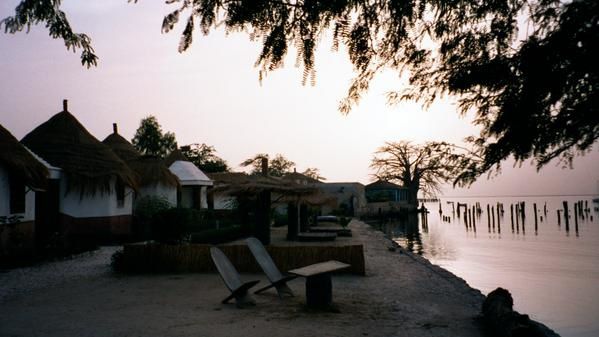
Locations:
column 175, row 156
column 121, row 147
column 20, row 162
column 88, row 164
column 151, row 170
column 238, row 183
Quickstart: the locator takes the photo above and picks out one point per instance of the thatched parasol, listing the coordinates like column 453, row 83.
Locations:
column 20, row 162
column 242, row 183
column 89, row 165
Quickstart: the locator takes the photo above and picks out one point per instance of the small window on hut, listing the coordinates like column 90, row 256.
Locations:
column 17, row 195
column 120, row 194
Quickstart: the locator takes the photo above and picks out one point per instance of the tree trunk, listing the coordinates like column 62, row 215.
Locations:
column 413, row 193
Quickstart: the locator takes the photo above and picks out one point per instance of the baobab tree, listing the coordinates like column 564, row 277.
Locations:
column 422, row 167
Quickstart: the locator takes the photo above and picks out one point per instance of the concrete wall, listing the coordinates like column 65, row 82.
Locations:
column 98, row 205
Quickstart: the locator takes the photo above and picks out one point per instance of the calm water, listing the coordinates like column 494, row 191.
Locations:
column 552, row 270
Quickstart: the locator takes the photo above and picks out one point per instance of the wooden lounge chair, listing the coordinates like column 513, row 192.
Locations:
column 230, row 277
column 277, row 280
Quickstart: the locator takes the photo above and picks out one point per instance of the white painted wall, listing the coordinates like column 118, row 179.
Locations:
column 98, row 205
column 29, row 214
column 160, row 190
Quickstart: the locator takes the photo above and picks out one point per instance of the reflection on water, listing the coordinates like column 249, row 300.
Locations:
column 544, row 250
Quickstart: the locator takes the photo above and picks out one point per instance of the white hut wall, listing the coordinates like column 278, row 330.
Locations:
column 169, row 193
column 101, row 214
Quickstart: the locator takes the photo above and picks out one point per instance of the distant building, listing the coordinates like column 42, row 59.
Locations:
column 384, row 191
column 350, row 197
column 385, row 196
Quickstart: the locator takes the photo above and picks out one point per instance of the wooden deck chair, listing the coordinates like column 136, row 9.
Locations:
column 277, row 280
column 230, row 277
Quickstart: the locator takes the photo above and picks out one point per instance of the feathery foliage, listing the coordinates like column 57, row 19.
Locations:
column 526, row 69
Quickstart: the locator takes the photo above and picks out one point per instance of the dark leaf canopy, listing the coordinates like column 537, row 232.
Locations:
column 526, row 69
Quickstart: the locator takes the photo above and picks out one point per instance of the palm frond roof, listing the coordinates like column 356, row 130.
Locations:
column 90, row 165
column 18, row 160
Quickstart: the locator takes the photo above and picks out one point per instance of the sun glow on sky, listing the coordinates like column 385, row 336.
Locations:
column 211, row 94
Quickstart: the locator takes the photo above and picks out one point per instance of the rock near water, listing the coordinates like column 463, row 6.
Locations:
column 503, row 321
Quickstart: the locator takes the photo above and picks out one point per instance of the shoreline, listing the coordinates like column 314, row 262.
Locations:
column 401, row 294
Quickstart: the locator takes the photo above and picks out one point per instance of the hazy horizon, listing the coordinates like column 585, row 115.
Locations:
column 211, row 94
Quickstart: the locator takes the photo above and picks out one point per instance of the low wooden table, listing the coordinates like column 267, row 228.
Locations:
column 319, row 287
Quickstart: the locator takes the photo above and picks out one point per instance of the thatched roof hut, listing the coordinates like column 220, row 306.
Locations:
column 88, row 164
column 121, row 146
column 149, row 169
column 19, row 161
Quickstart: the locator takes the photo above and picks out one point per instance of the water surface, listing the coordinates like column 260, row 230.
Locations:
column 552, row 270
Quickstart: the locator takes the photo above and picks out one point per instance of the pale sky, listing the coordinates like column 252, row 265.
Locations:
column 211, row 94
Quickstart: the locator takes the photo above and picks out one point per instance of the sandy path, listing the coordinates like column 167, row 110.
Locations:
column 402, row 295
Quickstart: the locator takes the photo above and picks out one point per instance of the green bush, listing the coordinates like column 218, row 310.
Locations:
column 173, row 224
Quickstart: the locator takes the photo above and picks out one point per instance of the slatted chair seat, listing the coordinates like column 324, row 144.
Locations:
column 276, row 278
column 231, row 278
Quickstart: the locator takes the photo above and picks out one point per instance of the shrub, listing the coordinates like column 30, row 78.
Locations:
column 171, row 225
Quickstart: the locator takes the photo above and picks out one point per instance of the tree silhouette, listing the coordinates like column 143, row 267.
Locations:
column 277, row 167
column 421, row 167
column 526, row 69
column 205, row 158
column 150, row 140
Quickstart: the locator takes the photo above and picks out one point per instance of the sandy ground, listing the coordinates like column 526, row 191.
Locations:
column 401, row 295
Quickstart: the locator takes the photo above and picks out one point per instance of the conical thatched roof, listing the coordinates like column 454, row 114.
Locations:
column 121, row 147
column 151, row 170
column 15, row 157
column 63, row 142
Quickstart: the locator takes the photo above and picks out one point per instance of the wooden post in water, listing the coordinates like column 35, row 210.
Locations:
column 534, row 206
column 489, row 217
column 512, row 216
column 517, row 218
column 559, row 219
column 566, row 218
column 576, row 217
column 493, row 217
column 474, row 216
